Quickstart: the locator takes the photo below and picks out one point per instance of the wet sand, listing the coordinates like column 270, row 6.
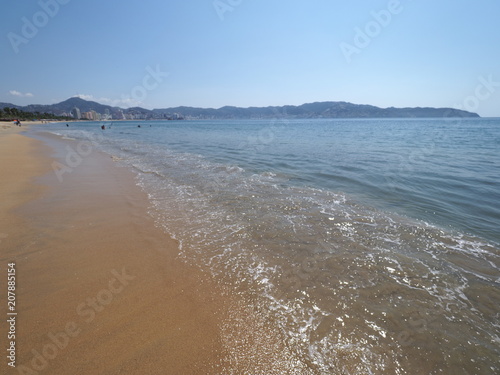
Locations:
column 99, row 288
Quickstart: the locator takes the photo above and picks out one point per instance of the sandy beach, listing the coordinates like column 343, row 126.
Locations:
column 99, row 289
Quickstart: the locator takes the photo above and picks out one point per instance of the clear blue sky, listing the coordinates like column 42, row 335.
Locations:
column 442, row 53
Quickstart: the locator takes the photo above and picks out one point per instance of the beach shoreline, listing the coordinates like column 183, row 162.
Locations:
column 99, row 288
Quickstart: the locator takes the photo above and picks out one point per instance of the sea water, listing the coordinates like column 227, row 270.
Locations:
column 363, row 246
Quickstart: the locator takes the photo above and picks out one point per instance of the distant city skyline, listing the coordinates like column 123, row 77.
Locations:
column 81, row 109
column 210, row 54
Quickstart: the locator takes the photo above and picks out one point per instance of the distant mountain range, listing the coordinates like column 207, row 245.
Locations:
column 310, row 110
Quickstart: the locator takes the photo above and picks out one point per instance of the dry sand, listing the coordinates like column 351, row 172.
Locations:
column 99, row 288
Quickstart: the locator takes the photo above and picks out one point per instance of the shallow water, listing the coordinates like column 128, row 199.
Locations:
column 358, row 246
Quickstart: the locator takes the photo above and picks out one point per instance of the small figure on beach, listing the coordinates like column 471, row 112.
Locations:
column 18, row 123
column 103, row 127
column 67, row 125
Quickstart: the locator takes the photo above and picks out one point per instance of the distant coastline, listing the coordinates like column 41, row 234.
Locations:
column 78, row 108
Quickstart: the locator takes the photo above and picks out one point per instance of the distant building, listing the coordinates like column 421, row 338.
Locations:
column 92, row 115
column 121, row 115
column 75, row 112
column 107, row 115
column 95, row 116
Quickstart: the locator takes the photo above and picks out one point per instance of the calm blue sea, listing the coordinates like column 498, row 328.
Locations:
column 371, row 245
